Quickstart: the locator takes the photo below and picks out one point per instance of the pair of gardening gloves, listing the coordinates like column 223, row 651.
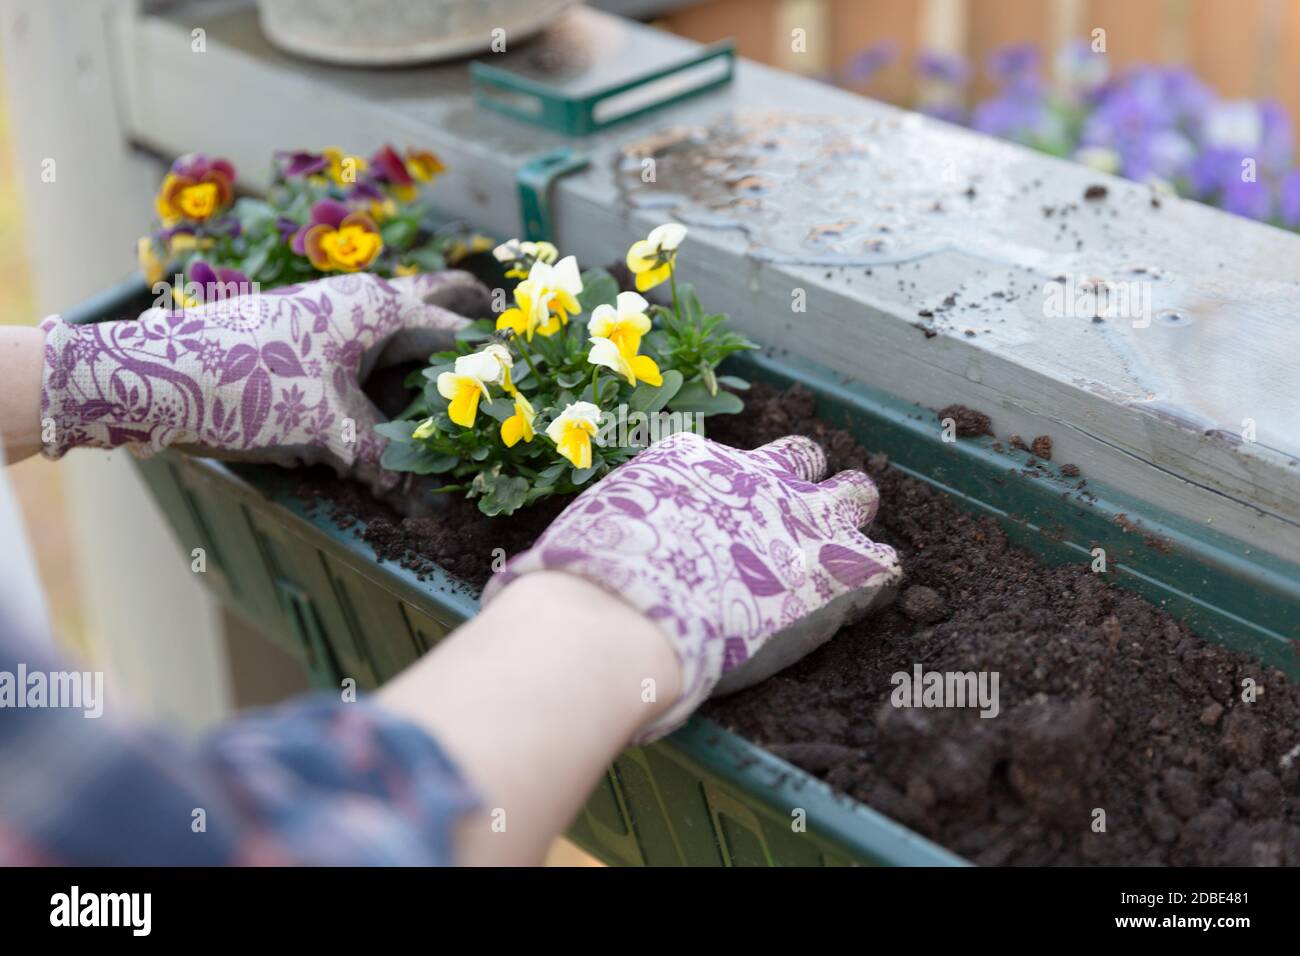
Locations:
column 747, row 560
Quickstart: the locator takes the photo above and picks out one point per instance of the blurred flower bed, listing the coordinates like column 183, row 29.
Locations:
column 1153, row 124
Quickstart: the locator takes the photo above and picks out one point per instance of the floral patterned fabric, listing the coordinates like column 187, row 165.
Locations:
column 271, row 375
column 745, row 559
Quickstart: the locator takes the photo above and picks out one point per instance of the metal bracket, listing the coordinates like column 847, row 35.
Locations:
column 535, row 179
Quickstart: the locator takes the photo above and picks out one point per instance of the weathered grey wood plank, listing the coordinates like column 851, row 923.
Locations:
column 1213, row 351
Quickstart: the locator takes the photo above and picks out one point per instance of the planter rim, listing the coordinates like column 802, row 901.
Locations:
column 1252, row 601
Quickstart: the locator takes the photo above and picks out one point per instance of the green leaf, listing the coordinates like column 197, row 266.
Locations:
column 581, row 475
column 694, row 397
column 428, row 257
column 398, row 430
column 397, row 233
column 499, row 408
column 551, row 474
column 507, row 494
column 433, row 371
column 572, row 379
column 648, row 398
column 598, row 288
column 399, row 456
column 734, row 382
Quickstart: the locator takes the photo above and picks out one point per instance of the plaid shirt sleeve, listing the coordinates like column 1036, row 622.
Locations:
column 315, row 781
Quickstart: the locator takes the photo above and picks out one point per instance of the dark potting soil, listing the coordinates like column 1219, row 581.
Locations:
column 1110, row 711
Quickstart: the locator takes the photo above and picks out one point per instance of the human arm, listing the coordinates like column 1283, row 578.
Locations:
column 266, row 375
column 20, row 399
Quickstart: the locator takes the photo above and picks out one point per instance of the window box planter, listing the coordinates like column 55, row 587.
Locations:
column 703, row 796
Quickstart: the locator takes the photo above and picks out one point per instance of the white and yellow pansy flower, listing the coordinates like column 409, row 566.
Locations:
column 520, row 424
column 469, row 382
column 507, row 362
column 520, row 255
column 545, row 300
column 651, row 259
column 616, row 332
column 532, row 310
column 573, row 430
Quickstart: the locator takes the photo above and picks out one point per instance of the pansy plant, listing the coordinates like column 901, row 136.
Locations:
column 573, row 378
column 327, row 212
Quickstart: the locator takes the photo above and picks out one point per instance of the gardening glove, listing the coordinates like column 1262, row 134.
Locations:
column 743, row 559
column 270, row 376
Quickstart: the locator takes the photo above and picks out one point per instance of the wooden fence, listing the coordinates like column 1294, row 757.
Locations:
column 1240, row 47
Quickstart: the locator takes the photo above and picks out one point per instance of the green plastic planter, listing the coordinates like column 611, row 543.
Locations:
column 703, row 796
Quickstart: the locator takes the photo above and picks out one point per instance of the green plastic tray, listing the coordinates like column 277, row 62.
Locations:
column 702, row 796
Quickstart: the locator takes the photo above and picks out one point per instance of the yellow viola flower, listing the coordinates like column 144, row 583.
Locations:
column 343, row 169
column 424, row 430
column 573, row 430
column 382, row 210
column 634, row 368
column 520, row 256
column 195, row 188
column 151, row 264
column 616, row 332
column 406, row 269
column 183, row 242
column 501, row 355
column 651, row 259
column 545, row 300
column 530, row 311
column 563, row 284
column 520, row 424
column 469, row 382
column 424, row 165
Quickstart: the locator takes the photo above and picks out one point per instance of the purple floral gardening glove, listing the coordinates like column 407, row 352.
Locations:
column 743, row 558
column 272, row 375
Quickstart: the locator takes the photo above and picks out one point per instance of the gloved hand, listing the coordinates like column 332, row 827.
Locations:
column 743, row 560
column 267, row 376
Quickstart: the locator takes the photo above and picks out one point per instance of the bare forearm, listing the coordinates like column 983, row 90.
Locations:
column 21, row 364
column 533, row 698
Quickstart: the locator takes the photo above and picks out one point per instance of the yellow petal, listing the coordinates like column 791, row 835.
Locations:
column 652, row 277
column 576, row 447
column 513, row 319
column 645, row 369
column 641, row 256
column 513, row 429
column 464, row 407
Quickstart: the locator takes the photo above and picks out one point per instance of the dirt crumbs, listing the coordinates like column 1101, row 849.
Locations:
column 1109, row 714
column 970, row 423
column 1096, row 192
column 1042, row 447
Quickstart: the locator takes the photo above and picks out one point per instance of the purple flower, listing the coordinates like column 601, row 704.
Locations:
column 1015, row 62
column 1250, row 199
column 863, row 67
column 1289, row 199
column 198, row 166
column 943, row 67
column 219, row 283
column 296, row 163
column 1014, row 114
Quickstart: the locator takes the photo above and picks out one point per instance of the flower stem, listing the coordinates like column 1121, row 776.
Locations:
column 523, row 350
column 672, row 281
